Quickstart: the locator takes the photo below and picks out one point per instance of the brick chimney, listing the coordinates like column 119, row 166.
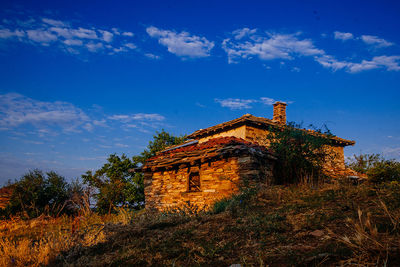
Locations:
column 279, row 113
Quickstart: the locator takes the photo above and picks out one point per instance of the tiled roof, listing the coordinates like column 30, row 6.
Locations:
column 259, row 122
column 216, row 147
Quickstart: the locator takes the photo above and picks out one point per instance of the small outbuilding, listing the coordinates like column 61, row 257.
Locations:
column 203, row 173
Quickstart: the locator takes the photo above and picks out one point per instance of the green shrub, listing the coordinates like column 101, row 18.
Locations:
column 36, row 193
column 221, row 205
column 363, row 162
column 384, row 171
column 377, row 168
column 232, row 204
column 300, row 155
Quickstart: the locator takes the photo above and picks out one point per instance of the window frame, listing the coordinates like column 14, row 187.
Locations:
column 191, row 187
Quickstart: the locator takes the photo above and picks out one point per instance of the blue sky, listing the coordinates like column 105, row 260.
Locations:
column 80, row 80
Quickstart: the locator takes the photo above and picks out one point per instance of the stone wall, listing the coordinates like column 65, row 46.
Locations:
column 259, row 136
column 335, row 157
column 218, row 179
column 335, row 153
column 239, row 132
column 256, row 135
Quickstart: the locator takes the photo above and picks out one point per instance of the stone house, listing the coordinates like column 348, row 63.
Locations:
column 202, row 173
column 217, row 160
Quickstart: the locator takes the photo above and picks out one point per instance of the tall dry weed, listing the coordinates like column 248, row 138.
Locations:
column 371, row 247
column 38, row 241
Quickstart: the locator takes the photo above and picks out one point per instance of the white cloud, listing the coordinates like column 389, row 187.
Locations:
column 182, row 44
column 330, row 62
column 88, row 127
column 16, row 110
column 391, row 152
column 375, row 41
column 73, row 42
column 247, row 44
column 80, row 33
column 101, row 123
column 47, row 118
column 6, row 33
column 84, row 33
column 344, row 36
column 235, row 103
column 121, row 145
column 118, row 50
column 146, row 116
column 70, row 39
column 240, row 33
column 390, row 63
column 124, row 118
column 130, row 45
column 41, row 36
column 152, row 56
column 53, row 22
column 34, row 142
column 130, row 34
column 267, row 100
column 137, row 117
column 94, row 47
column 107, row 36
column 371, row 40
column 131, row 126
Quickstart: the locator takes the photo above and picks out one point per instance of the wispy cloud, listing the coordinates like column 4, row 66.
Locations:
column 267, row 100
column 152, row 56
column 137, row 117
column 130, row 34
column 246, row 44
column 182, row 44
column 49, row 118
column 121, row 145
column 392, row 152
column 235, row 103
column 371, row 40
column 390, row 63
column 375, row 41
column 16, row 110
column 238, row 103
column 344, row 36
column 74, row 39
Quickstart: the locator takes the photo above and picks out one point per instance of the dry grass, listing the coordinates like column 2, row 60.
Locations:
column 39, row 241
column 372, row 247
column 336, row 224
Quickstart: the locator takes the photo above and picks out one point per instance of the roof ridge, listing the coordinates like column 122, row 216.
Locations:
column 259, row 121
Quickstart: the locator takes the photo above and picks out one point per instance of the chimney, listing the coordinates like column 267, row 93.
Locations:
column 279, row 113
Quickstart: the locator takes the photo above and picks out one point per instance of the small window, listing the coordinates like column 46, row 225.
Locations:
column 194, row 182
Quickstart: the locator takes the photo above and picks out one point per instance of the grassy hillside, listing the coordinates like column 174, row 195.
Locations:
column 276, row 225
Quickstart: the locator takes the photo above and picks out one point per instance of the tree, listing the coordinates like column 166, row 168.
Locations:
column 300, row 155
column 36, row 193
column 377, row 168
column 117, row 184
column 384, row 171
column 364, row 162
column 161, row 140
